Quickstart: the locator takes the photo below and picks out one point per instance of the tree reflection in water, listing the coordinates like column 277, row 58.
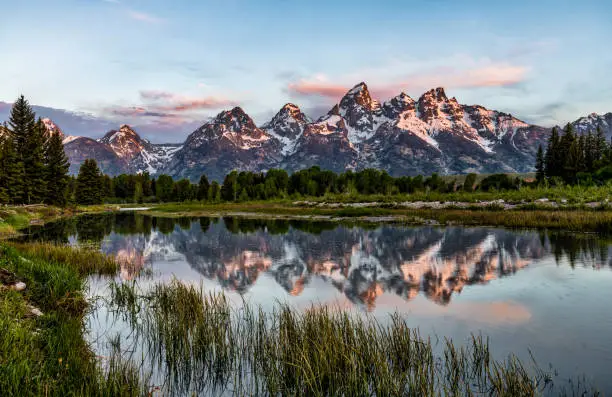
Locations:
column 360, row 262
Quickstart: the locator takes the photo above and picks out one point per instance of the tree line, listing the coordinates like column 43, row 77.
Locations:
column 572, row 158
column 273, row 184
column 33, row 165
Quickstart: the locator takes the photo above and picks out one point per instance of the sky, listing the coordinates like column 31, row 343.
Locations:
column 167, row 66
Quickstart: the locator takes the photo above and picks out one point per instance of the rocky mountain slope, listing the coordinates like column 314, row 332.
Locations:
column 594, row 121
column 403, row 136
column 229, row 141
column 119, row 151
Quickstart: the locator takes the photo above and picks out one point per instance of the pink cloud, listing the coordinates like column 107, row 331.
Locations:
column 487, row 76
column 168, row 102
column 319, row 88
column 500, row 75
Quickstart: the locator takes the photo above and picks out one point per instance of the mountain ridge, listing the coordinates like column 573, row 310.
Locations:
column 402, row 135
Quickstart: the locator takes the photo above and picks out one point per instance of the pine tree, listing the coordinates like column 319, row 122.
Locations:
column 56, row 172
column 11, row 171
column 540, row 166
column 552, row 165
column 581, row 160
column 4, row 195
column 89, row 184
column 568, row 154
column 203, row 187
column 600, row 148
column 589, row 152
column 34, row 164
column 22, row 123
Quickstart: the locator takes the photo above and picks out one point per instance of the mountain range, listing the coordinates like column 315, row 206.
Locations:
column 403, row 136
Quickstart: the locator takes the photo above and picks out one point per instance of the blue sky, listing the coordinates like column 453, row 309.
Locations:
column 169, row 65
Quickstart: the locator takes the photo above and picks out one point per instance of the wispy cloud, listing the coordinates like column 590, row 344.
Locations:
column 318, row 88
column 144, row 17
column 158, row 106
column 111, row 1
column 167, row 101
column 493, row 75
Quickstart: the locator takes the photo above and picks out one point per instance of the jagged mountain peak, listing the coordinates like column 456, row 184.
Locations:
column 52, row 128
column 397, row 105
column 293, row 111
column 359, row 95
column 287, row 125
column 235, row 119
column 124, row 133
column 435, row 94
column 594, row 121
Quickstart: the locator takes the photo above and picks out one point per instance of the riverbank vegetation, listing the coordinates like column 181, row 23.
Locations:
column 42, row 348
column 199, row 343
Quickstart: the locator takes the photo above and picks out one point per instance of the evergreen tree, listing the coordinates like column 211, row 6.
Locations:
column 540, row 166
column 600, row 149
column 568, row 154
column 589, row 152
column 11, row 171
column 552, row 164
column 34, row 164
column 89, row 184
column 203, row 187
column 581, row 161
column 164, row 187
column 56, row 172
column 214, row 193
column 229, row 190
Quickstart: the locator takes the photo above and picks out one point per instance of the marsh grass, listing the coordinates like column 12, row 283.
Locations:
column 202, row 345
column 596, row 220
column 47, row 355
column 82, row 259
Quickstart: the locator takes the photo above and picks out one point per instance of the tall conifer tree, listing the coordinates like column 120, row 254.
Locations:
column 56, row 172
column 89, row 184
column 540, row 166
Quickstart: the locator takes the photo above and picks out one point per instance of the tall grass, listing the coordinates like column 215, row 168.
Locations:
column 203, row 346
column 84, row 261
column 48, row 356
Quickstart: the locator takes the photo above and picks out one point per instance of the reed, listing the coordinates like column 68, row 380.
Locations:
column 47, row 355
column 83, row 260
column 202, row 345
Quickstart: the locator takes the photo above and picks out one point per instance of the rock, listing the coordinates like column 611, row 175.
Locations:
column 19, row 286
column 34, row 311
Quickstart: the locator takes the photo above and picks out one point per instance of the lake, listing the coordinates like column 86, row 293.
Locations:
column 547, row 294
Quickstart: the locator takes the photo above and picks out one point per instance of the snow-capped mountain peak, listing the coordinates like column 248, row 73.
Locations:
column 52, row 128
column 594, row 121
column 287, row 126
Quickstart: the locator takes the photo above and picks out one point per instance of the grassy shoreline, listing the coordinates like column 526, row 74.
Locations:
column 579, row 219
column 46, row 353
column 570, row 217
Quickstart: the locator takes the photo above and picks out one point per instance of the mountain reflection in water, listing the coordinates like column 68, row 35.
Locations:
column 360, row 262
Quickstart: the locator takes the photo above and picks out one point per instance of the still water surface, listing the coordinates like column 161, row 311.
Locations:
column 545, row 293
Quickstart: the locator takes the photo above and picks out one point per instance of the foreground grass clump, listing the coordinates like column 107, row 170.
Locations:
column 84, row 261
column 201, row 345
column 47, row 355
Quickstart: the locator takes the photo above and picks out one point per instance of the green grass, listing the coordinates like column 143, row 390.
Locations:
column 48, row 355
column 83, row 261
column 201, row 344
column 583, row 220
